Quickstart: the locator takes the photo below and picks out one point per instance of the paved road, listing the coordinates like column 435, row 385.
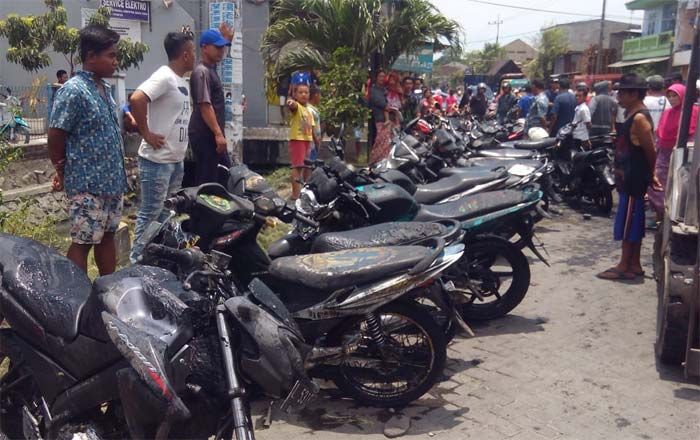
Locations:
column 574, row 361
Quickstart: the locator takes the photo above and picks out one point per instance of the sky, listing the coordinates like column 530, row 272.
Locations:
column 474, row 17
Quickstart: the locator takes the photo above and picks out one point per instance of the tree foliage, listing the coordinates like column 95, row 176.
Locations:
column 550, row 44
column 303, row 34
column 32, row 37
column 480, row 61
column 342, row 81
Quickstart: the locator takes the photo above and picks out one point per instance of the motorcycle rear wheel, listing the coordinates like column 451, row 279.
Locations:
column 604, row 201
column 481, row 267
column 417, row 345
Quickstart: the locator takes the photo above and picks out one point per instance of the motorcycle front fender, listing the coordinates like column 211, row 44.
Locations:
column 21, row 122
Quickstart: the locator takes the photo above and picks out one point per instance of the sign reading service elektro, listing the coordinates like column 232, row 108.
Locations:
column 138, row 10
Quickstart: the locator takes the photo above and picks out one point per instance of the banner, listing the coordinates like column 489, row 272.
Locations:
column 137, row 10
column 419, row 62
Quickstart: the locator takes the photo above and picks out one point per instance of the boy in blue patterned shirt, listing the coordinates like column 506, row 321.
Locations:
column 85, row 146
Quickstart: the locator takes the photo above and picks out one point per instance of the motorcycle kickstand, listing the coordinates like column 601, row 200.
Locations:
column 236, row 391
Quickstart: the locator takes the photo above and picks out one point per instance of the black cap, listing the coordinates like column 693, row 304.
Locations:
column 632, row 81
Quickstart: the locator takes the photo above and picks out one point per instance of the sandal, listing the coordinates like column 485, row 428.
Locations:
column 614, row 274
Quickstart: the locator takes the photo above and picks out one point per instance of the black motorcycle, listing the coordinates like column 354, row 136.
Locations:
column 584, row 175
column 139, row 353
column 354, row 306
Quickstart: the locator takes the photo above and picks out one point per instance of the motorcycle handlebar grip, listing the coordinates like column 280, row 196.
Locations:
column 176, row 203
column 181, row 257
column 306, row 220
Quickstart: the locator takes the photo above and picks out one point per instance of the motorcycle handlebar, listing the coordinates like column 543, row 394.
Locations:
column 189, row 258
column 177, row 203
column 306, row 220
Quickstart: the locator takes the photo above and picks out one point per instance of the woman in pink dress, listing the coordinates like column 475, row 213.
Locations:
column 667, row 135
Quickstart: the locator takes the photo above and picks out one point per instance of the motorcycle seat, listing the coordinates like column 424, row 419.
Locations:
column 591, row 155
column 383, row 234
column 472, row 206
column 443, row 188
column 347, row 268
column 536, row 145
column 50, row 287
column 497, row 171
column 510, row 153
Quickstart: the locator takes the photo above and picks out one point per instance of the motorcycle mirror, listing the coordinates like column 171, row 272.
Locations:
column 265, row 205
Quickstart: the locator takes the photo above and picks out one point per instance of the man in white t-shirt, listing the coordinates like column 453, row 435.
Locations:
column 656, row 101
column 582, row 120
column 161, row 107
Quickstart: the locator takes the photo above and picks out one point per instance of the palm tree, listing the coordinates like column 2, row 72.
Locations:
column 303, row 34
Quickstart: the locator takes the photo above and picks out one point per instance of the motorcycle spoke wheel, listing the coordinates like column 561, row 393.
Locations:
column 495, row 270
column 403, row 369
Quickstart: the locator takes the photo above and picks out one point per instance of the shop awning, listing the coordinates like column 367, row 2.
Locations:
column 638, row 62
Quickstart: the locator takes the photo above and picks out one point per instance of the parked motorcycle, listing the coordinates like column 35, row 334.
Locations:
column 584, row 175
column 12, row 126
column 354, row 306
column 488, row 221
column 140, row 354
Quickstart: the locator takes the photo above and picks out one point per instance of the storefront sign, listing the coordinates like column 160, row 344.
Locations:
column 125, row 28
column 137, row 10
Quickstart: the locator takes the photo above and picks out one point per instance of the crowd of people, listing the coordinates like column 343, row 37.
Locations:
column 86, row 147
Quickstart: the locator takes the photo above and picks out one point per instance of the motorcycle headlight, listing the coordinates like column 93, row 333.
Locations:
column 306, row 204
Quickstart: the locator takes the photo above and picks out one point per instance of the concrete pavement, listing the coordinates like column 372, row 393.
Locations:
column 574, row 361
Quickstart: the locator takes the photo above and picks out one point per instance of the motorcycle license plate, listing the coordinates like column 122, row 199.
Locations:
column 300, row 395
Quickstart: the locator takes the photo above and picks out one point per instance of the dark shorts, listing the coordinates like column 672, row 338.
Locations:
column 629, row 221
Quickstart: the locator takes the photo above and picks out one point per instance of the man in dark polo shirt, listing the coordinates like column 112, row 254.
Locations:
column 206, row 128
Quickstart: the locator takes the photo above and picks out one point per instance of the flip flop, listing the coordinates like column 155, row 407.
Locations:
column 614, row 274
column 638, row 274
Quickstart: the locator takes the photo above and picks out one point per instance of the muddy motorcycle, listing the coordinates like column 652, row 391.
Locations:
column 493, row 276
column 355, row 305
column 139, row 354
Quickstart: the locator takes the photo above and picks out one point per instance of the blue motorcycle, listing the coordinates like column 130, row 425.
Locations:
column 12, row 126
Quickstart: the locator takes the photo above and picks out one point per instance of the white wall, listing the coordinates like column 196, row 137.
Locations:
column 163, row 20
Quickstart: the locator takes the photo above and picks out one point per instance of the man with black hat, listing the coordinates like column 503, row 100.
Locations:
column 206, row 128
column 635, row 157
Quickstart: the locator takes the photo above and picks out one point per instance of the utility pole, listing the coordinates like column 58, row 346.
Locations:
column 498, row 24
column 599, row 61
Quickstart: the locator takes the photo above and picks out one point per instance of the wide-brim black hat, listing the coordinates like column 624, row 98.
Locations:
column 632, row 82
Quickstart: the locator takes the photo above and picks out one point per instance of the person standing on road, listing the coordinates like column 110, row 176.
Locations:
column 380, row 112
column 506, row 101
column 464, row 102
column 478, row 103
column 409, row 104
column 85, row 147
column 603, row 110
column 656, row 101
column 525, row 101
column 206, row 127
column 582, row 120
column 161, row 107
column 667, row 136
column 563, row 109
column 61, row 77
column 537, row 115
column 635, row 156
column 301, row 135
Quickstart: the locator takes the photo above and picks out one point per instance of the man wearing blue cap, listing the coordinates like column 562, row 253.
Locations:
column 206, row 128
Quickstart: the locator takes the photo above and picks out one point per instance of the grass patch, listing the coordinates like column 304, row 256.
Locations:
column 279, row 180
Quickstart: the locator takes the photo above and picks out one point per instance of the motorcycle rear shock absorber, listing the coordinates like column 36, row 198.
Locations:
column 374, row 328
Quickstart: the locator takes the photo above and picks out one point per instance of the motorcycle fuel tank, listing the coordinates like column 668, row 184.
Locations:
column 394, row 202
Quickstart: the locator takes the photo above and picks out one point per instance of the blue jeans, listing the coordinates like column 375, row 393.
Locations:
column 158, row 181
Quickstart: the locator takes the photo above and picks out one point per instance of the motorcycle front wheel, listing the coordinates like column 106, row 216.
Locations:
column 495, row 270
column 408, row 364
